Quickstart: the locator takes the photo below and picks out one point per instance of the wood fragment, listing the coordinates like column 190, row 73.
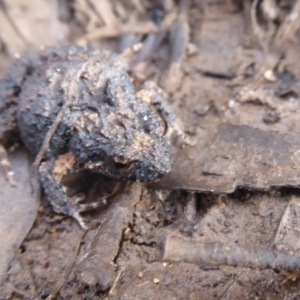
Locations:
column 104, row 9
column 112, row 291
column 290, row 25
column 217, row 254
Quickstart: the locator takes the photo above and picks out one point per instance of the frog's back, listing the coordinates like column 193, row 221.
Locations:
column 57, row 77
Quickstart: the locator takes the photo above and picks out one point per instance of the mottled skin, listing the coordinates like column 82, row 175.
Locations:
column 105, row 126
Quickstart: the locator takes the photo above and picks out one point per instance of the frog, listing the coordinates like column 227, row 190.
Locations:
column 77, row 108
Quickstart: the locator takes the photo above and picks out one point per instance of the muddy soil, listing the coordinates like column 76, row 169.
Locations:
column 221, row 62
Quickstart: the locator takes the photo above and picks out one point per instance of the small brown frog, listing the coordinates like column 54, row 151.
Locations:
column 103, row 124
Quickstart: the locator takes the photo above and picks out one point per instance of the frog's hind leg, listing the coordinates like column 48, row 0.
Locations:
column 51, row 173
column 6, row 166
column 10, row 89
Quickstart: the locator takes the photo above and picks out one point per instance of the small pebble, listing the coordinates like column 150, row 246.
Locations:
column 270, row 76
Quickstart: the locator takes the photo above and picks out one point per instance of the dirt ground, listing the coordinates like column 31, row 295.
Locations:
column 231, row 70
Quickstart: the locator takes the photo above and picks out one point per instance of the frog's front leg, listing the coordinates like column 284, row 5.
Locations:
column 157, row 99
column 51, row 173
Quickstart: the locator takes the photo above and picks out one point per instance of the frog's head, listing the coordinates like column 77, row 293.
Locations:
column 117, row 132
column 142, row 152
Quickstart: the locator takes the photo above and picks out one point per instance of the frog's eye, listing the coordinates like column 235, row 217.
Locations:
column 164, row 124
column 156, row 123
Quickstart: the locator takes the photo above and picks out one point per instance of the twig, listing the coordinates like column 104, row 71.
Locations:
column 114, row 286
column 174, row 249
column 68, row 100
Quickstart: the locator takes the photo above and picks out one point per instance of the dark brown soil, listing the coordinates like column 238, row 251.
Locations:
column 218, row 66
